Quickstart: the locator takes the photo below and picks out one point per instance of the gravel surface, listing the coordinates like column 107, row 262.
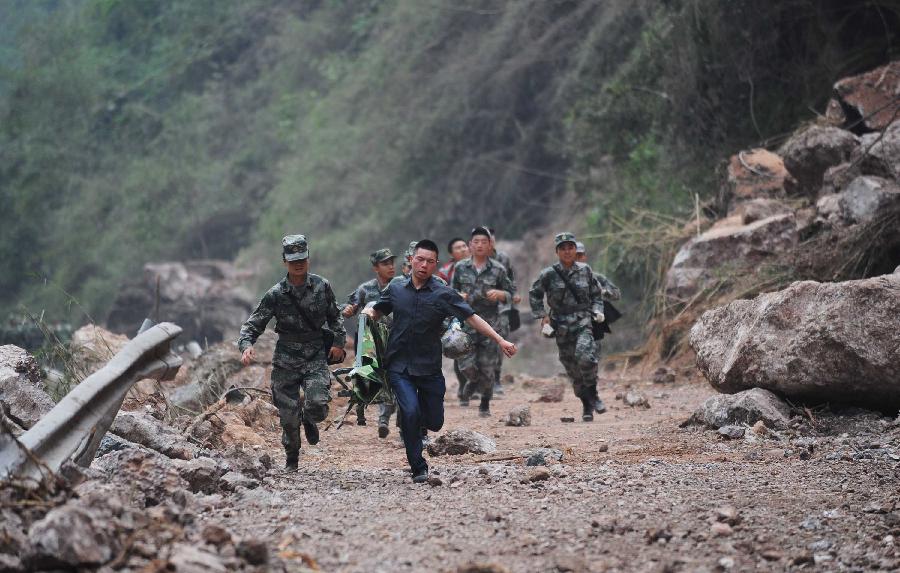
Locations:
column 633, row 492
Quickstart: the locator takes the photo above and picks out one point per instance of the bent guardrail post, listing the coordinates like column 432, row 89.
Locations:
column 74, row 427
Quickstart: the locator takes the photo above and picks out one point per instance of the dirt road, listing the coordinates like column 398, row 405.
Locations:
column 820, row 496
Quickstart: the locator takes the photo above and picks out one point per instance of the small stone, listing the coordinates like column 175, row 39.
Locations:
column 602, row 447
column 732, row 432
column 215, row 535
column 434, row 481
column 772, row 555
column 720, row 529
column 539, row 474
column 519, row 416
column 760, row 429
column 552, row 393
column 567, row 419
column 664, row 375
column 726, row 563
column 727, row 514
column 253, row 551
column 636, row 400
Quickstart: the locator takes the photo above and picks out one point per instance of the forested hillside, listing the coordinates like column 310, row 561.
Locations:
column 138, row 130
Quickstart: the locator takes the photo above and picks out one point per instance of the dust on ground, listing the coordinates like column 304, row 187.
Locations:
column 633, row 492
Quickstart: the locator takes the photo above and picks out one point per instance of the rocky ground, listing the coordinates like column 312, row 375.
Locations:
column 632, row 491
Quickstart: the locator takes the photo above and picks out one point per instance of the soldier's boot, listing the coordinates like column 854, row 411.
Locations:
column 599, row 406
column 311, row 431
column 360, row 415
column 587, row 409
column 384, row 419
column 484, row 408
column 292, row 458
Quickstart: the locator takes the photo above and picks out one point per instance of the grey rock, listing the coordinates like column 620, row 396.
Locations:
column 732, row 432
column 866, row 197
column 233, row 480
column 542, row 456
column 519, row 416
column 10, row 563
column 145, row 476
column 747, row 407
column 144, row 429
column 457, row 442
column 254, row 551
column 636, row 400
column 703, row 261
column 879, row 153
column 202, row 474
column 664, row 375
column 71, row 536
column 818, row 342
column 808, row 154
column 21, row 394
column 192, row 559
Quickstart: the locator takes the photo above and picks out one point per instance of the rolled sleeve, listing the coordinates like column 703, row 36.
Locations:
column 455, row 306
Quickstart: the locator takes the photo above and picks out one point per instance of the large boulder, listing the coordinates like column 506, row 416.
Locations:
column 871, row 99
column 72, row 537
column 92, row 347
column 205, row 298
column 811, row 152
column 816, row 342
column 142, row 428
column 703, row 260
column 879, row 153
column 754, row 174
column 22, row 395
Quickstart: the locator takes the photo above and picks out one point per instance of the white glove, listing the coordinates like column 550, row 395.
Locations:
column 599, row 317
column 547, row 330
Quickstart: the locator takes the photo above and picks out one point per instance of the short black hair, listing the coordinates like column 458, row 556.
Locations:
column 428, row 245
column 481, row 231
column 452, row 242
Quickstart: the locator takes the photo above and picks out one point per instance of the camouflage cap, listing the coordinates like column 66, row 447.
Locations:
column 294, row 248
column 381, row 255
column 564, row 237
column 411, row 249
column 579, row 247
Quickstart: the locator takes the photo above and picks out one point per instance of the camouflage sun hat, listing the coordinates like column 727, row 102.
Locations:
column 565, row 237
column 579, row 247
column 294, row 248
column 381, row 255
column 411, row 249
column 455, row 343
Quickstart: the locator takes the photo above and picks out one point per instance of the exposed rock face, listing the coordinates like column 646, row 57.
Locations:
column 748, row 407
column 873, row 97
column 729, row 242
column 205, row 298
column 93, row 346
column 22, row 396
column 755, row 174
column 457, row 442
column 811, row 152
column 820, row 342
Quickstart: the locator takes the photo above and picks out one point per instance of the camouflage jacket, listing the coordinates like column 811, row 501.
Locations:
column 608, row 290
column 316, row 299
column 469, row 281
column 504, row 260
column 369, row 291
column 567, row 310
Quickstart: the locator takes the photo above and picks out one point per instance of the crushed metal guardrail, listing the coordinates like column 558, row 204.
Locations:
column 73, row 429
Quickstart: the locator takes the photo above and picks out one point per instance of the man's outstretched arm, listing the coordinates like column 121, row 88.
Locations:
column 480, row 325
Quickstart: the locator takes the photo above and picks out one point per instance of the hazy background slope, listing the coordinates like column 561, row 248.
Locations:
column 143, row 130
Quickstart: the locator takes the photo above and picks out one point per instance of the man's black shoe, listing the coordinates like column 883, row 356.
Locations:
column 291, row 463
column 312, row 433
column 420, row 476
column 383, row 430
column 484, row 408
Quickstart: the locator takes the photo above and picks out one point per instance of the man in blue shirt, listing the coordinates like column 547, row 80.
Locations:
column 420, row 304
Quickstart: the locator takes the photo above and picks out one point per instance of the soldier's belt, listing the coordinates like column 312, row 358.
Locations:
column 571, row 310
column 299, row 337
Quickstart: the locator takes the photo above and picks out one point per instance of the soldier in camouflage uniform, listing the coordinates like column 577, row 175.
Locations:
column 370, row 291
column 484, row 284
column 608, row 290
column 570, row 319
column 302, row 304
column 507, row 306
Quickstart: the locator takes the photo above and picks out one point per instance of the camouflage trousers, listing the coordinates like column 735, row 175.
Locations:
column 303, row 390
column 482, row 365
column 580, row 356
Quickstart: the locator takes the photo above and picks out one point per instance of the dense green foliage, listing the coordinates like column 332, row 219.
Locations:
column 136, row 130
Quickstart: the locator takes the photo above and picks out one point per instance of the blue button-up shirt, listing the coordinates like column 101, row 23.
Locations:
column 414, row 345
